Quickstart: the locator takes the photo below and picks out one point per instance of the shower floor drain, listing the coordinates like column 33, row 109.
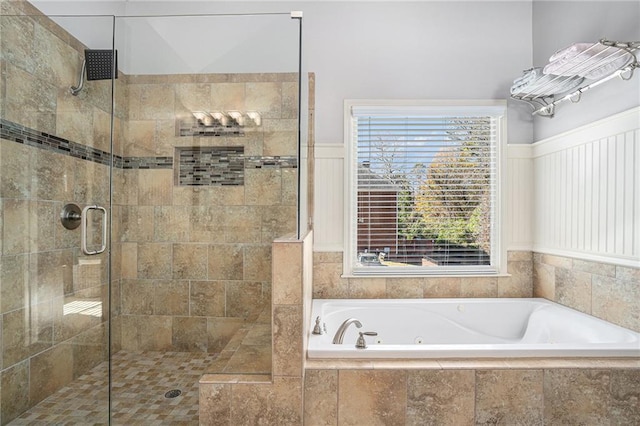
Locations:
column 173, row 393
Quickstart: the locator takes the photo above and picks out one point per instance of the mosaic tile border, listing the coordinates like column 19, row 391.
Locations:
column 34, row 138
column 27, row 136
column 143, row 162
column 279, row 162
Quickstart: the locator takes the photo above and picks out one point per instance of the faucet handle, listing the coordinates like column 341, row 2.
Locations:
column 361, row 343
column 317, row 329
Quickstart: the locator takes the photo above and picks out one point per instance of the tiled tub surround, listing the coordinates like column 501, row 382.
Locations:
column 411, row 392
column 494, row 391
column 328, row 283
column 603, row 290
column 472, row 396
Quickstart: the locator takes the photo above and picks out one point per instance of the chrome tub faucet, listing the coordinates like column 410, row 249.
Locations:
column 337, row 339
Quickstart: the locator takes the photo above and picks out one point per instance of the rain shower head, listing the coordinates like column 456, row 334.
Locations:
column 99, row 65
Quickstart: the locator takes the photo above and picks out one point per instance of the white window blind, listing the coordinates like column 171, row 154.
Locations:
column 424, row 193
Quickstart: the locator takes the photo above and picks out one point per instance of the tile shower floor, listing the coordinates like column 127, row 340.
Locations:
column 140, row 381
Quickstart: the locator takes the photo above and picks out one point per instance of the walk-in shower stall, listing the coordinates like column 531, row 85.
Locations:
column 147, row 164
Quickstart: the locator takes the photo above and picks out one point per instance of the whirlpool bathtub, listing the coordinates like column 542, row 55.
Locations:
column 465, row 328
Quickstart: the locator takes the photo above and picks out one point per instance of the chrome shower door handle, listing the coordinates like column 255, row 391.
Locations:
column 84, row 216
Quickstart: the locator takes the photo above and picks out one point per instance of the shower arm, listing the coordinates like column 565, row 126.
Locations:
column 76, row 89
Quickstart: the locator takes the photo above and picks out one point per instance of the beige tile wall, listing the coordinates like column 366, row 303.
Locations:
column 276, row 399
column 472, row 396
column 603, row 290
column 200, row 257
column 328, row 283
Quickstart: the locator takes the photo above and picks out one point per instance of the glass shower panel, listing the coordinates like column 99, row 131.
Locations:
column 209, row 179
column 54, row 151
column 194, row 173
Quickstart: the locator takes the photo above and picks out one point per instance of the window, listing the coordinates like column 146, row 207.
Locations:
column 423, row 184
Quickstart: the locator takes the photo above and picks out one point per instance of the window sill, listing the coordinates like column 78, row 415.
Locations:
column 391, row 275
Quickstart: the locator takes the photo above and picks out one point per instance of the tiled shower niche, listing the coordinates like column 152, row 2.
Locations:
column 211, row 165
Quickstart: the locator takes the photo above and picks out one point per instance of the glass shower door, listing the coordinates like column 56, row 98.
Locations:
column 55, row 158
column 209, row 179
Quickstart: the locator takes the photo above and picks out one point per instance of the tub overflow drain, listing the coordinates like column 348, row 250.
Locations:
column 173, row 393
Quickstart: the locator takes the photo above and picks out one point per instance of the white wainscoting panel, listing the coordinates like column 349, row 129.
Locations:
column 519, row 197
column 329, row 198
column 576, row 194
column 587, row 191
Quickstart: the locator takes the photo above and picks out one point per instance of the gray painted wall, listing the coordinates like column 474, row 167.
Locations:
column 428, row 49
column 558, row 24
column 431, row 50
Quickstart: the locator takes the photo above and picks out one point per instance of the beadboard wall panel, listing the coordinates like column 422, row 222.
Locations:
column 587, row 191
column 519, row 197
column 576, row 194
column 329, row 198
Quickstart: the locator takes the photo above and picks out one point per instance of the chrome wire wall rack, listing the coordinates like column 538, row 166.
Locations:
column 572, row 71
